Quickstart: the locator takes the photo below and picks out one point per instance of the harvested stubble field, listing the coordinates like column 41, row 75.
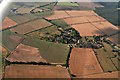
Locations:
column 76, row 20
column 10, row 40
column 106, row 27
column 35, row 71
column 19, row 19
column 31, row 26
column 75, row 13
column 83, row 62
column 51, row 52
column 58, row 15
column 45, row 32
column 83, row 19
column 115, row 38
column 84, row 31
column 7, row 23
column 107, row 76
column 24, row 53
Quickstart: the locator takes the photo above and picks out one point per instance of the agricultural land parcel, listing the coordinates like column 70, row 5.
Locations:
column 31, row 26
column 54, row 53
column 35, row 71
column 83, row 62
column 24, row 53
column 7, row 23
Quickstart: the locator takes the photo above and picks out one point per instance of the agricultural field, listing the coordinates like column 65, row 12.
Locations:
column 58, row 15
column 60, row 23
column 106, row 27
column 83, row 29
column 111, row 76
column 35, row 71
column 83, row 62
column 26, row 54
column 67, row 4
column 58, row 40
column 10, row 40
column 80, row 13
column 31, row 26
column 115, row 38
column 54, row 53
column 7, row 23
column 45, row 32
column 19, row 19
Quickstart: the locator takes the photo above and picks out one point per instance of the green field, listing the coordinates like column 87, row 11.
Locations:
column 67, row 4
column 111, row 14
column 52, row 52
column 60, row 23
column 7, row 42
column 45, row 32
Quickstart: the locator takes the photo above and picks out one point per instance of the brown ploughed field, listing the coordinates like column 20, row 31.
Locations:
column 35, row 71
column 24, row 53
column 104, row 75
column 7, row 23
column 84, row 62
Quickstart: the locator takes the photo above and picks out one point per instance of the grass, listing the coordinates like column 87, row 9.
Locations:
column 60, row 23
column 111, row 14
column 52, row 52
column 67, row 4
column 48, row 31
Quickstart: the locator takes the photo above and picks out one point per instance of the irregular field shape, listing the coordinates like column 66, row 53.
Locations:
column 7, row 23
column 75, row 13
column 87, row 29
column 58, row 15
column 35, row 71
column 51, row 52
column 106, row 27
column 83, row 62
column 19, row 19
column 107, row 75
column 31, row 26
column 76, row 20
column 24, row 53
